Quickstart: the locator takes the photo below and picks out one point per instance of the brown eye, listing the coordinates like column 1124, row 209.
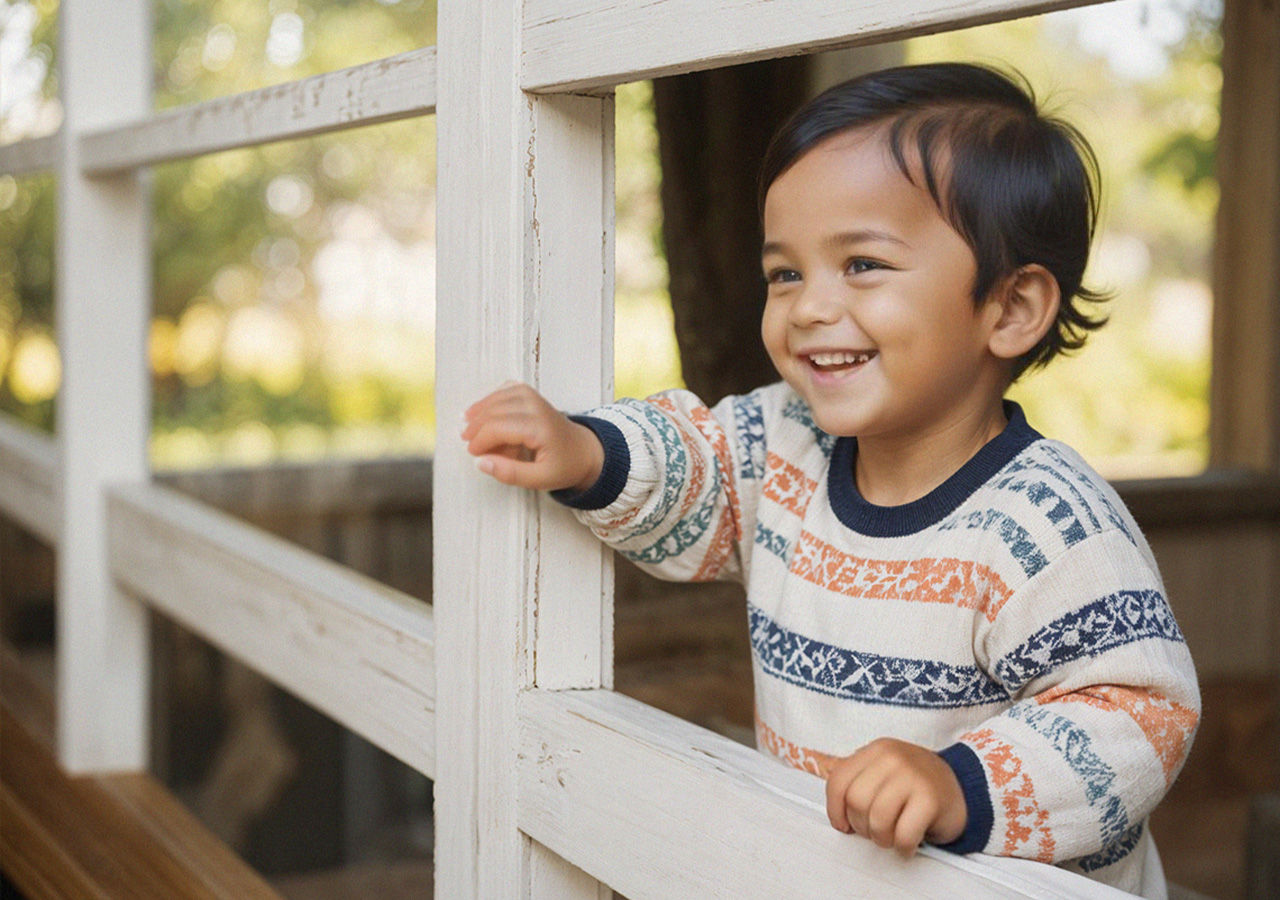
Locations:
column 859, row 265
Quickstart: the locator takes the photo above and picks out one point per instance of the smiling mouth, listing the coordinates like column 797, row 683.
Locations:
column 840, row 360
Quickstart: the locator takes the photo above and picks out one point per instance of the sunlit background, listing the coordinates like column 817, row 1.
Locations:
column 294, row 297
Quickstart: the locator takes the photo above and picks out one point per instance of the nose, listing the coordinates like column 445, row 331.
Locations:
column 818, row 304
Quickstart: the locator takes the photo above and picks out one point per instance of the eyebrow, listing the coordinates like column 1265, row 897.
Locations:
column 844, row 239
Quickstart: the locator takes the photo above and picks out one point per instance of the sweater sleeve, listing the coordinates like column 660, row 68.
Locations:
column 1105, row 704
column 671, row 495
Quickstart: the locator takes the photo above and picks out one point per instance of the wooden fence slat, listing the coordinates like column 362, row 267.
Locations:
column 573, row 45
column 30, row 479
column 358, row 651
column 386, row 90
column 30, row 156
column 659, row 808
column 103, row 299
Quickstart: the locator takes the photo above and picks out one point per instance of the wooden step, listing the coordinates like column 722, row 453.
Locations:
column 108, row 837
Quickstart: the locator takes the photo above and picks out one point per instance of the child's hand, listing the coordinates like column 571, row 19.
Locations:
column 519, row 438
column 897, row 794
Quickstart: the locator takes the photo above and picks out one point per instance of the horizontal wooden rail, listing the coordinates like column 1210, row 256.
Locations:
column 397, row 87
column 30, row 156
column 102, row 836
column 656, row 807
column 356, row 650
column 29, row 479
column 307, row 489
column 1216, row 497
column 575, row 45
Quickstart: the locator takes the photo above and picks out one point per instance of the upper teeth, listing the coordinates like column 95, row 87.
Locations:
column 839, row 358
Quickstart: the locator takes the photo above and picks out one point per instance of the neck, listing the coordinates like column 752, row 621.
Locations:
column 891, row 470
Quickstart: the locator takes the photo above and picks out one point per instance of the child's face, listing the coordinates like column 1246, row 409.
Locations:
column 870, row 315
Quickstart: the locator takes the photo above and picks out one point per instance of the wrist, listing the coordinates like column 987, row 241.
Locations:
column 612, row 466
column 590, row 452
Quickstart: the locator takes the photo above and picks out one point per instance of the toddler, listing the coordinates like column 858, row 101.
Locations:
column 954, row 619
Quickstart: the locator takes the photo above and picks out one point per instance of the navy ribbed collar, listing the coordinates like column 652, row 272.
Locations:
column 896, row 521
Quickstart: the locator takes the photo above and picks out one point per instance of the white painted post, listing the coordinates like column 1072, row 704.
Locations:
column 103, row 282
column 522, row 597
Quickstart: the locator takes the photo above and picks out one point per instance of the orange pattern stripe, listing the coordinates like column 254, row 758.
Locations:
column 1027, row 831
column 813, row 761
column 711, row 429
column 721, row 548
column 1168, row 726
column 697, row 465
column 948, row 580
column 787, row 485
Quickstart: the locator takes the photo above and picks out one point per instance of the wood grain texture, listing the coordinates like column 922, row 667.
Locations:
column 386, row 90
column 572, row 45
column 30, row 479
column 525, row 270
column 98, row 836
column 30, row 156
column 659, row 808
column 358, row 651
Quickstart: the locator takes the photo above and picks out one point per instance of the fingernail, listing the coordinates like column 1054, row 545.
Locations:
column 484, row 464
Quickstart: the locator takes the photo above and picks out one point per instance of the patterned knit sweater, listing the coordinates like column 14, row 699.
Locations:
column 1012, row 619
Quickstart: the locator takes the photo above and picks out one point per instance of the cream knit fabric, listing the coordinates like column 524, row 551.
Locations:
column 1013, row 619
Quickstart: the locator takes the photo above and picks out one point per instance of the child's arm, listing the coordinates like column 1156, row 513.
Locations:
column 897, row 794
column 519, row 438
column 668, row 482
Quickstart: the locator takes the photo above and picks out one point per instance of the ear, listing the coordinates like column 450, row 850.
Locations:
column 1028, row 303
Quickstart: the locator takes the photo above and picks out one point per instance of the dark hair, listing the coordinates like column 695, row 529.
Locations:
column 1020, row 187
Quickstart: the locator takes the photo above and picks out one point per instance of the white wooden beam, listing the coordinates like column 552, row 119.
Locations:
column 102, row 305
column 660, row 808
column 386, row 90
column 525, row 205
column 30, row 479
column 354, row 649
column 572, row 45
column 30, row 156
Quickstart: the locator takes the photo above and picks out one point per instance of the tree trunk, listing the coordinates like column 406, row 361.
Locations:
column 713, row 128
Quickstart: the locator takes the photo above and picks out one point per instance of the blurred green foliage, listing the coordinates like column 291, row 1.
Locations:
column 293, row 283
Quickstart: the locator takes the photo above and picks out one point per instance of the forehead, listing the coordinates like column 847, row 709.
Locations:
column 845, row 179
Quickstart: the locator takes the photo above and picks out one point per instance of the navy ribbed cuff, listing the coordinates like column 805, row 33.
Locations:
column 977, row 798
column 613, row 476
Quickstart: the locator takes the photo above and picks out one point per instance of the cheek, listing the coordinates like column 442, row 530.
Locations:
column 773, row 330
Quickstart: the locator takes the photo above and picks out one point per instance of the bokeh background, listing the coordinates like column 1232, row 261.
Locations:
column 294, row 293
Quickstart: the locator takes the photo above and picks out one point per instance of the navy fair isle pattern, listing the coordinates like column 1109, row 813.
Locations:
column 1115, row 852
column 1056, row 508
column 797, row 411
column 866, row 677
column 775, row 543
column 690, row 528
column 1075, row 746
column 1022, row 547
column 1104, row 624
column 1087, row 493
column 940, row 659
column 675, row 463
column 748, row 420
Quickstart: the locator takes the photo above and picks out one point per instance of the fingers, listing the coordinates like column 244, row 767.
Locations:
column 917, row 816
column 838, row 781
column 509, row 397
column 895, row 794
column 884, row 815
column 508, row 470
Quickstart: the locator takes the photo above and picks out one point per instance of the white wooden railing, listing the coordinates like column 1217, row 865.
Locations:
column 548, row 785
